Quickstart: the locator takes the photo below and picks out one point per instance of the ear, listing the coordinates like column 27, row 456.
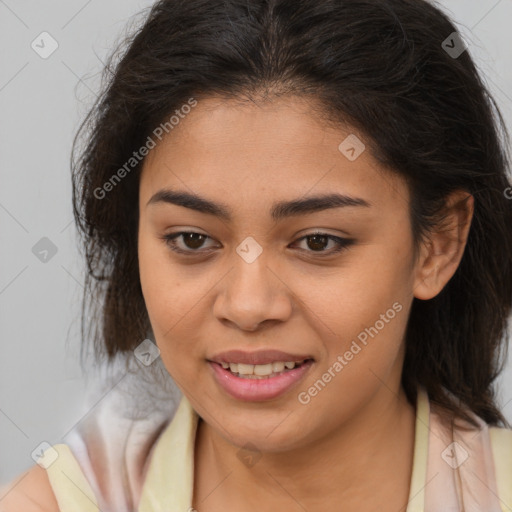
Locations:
column 444, row 246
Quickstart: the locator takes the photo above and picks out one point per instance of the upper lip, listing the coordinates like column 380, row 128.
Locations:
column 257, row 357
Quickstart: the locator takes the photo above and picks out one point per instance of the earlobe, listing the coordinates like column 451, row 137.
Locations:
column 442, row 252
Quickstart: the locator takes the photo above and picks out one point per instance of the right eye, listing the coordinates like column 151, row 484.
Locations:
column 191, row 241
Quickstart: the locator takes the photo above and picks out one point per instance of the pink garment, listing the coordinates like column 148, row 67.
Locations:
column 460, row 472
column 113, row 442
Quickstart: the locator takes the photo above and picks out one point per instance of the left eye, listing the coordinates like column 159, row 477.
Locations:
column 320, row 240
column 194, row 241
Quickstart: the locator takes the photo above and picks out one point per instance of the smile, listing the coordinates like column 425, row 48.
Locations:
column 261, row 371
column 259, row 382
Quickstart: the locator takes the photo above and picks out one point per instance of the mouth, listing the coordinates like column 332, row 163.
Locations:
column 262, row 371
column 259, row 381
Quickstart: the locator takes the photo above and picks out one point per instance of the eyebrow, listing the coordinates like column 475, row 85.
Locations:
column 279, row 210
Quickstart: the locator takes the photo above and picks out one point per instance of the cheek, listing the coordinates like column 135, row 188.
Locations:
column 353, row 298
column 154, row 279
column 173, row 299
column 162, row 288
column 364, row 354
column 362, row 316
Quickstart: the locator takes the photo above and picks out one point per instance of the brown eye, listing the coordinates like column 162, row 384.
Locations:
column 192, row 241
column 318, row 242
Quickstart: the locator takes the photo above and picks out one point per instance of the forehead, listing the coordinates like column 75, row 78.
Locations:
column 245, row 153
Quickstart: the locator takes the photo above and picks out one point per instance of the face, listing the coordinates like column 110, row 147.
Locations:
column 298, row 252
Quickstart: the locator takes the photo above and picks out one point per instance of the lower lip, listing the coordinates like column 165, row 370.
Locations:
column 253, row 390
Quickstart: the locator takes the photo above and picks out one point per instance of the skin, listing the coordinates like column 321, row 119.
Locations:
column 338, row 448
column 30, row 492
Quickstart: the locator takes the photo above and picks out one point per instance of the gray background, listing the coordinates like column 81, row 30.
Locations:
column 42, row 388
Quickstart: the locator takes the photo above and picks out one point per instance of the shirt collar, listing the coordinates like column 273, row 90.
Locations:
column 169, row 479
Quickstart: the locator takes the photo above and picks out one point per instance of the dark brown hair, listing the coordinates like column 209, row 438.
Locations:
column 378, row 65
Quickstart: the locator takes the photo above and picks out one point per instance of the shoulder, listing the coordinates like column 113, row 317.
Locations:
column 500, row 432
column 501, row 443
column 56, row 480
column 30, row 492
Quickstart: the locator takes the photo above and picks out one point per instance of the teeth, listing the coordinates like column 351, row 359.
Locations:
column 260, row 370
column 278, row 367
column 245, row 369
column 263, row 369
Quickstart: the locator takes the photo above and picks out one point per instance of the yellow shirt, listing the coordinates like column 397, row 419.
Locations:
column 480, row 474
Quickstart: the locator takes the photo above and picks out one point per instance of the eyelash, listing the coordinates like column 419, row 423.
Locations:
column 343, row 243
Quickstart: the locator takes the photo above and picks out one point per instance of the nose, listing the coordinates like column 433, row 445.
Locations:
column 251, row 294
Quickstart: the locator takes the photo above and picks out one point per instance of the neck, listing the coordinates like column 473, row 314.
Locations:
column 363, row 464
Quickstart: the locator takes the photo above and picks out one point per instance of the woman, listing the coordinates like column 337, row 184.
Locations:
column 304, row 205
